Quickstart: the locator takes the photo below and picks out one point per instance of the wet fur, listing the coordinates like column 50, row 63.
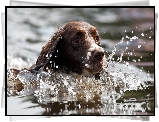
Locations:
column 67, row 49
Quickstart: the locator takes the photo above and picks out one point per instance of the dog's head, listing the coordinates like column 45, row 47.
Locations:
column 74, row 47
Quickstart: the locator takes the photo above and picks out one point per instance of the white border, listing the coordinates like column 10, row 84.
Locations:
column 71, row 2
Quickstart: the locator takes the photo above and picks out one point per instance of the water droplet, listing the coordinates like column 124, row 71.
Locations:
column 142, row 34
column 132, row 31
column 134, row 37
column 150, row 37
column 139, row 46
column 126, row 48
column 125, row 30
column 130, row 53
column 127, row 63
column 134, row 60
column 120, row 58
column 127, row 37
column 86, row 65
column 150, row 27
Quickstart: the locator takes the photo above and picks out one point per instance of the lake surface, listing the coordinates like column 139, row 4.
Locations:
column 127, row 35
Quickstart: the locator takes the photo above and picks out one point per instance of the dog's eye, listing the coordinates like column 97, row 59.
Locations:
column 76, row 40
column 97, row 38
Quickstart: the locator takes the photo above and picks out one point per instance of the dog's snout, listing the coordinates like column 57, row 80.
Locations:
column 98, row 54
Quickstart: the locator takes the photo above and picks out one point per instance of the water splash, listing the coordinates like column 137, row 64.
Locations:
column 52, row 87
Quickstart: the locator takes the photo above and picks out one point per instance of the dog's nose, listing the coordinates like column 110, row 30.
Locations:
column 98, row 54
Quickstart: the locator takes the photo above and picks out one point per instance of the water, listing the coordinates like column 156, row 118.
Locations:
column 78, row 92
column 126, row 85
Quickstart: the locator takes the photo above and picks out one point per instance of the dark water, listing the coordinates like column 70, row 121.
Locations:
column 126, row 33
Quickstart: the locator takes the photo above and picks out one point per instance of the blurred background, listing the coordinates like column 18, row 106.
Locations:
column 128, row 30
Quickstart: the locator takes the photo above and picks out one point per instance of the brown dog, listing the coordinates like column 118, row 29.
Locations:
column 74, row 47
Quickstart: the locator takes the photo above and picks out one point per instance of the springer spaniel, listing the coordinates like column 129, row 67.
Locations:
column 74, row 47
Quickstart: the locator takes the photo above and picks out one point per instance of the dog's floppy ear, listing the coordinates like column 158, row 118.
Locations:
column 49, row 51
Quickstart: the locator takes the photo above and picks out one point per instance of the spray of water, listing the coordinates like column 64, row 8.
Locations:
column 50, row 87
